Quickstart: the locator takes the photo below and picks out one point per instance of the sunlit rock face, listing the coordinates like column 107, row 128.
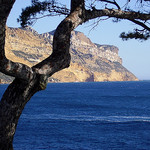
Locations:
column 90, row 61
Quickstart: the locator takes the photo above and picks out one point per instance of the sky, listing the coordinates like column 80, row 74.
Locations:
column 135, row 54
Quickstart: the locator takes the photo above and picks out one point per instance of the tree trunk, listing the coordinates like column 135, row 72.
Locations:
column 28, row 81
column 11, row 106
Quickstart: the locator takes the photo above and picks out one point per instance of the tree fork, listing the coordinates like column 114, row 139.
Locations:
column 21, row 90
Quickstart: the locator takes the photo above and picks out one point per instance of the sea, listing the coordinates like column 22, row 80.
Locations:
column 86, row 116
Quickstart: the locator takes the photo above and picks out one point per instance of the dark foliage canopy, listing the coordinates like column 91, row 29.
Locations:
column 44, row 8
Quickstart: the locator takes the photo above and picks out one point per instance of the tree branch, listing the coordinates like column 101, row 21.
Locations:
column 116, row 13
column 77, row 3
column 141, row 24
column 40, row 8
column 16, row 70
column 60, row 57
column 8, row 67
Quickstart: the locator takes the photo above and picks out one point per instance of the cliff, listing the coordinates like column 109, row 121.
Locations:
column 90, row 61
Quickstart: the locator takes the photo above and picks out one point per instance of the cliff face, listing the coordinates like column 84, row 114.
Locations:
column 90, row 61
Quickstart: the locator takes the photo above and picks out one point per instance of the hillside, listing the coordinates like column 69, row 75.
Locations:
column 90, row 62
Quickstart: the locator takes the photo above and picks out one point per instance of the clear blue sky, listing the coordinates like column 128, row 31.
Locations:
column 135, row 54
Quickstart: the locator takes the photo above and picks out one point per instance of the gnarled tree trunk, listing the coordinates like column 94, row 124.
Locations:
column 28, row 81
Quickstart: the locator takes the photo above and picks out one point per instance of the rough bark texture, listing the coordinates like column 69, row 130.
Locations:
column 30, row 80
column 11, row 106
column 77, row 3
column 6, row 66
column 130, row 15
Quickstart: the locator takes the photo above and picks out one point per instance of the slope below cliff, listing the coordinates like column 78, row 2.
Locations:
column 90, row 61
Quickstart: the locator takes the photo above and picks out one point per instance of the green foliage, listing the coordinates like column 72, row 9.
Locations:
column 31, row 13
column 44, row 8
column 28, row 12
column 135, row 35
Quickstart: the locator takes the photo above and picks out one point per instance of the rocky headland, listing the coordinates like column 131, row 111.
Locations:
column 90, row 61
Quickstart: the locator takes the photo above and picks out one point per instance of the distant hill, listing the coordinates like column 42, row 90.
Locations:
column 90, row 61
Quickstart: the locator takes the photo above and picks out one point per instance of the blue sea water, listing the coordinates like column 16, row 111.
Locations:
column 86, row 116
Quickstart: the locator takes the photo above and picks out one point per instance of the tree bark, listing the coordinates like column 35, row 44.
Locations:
column 11, row 106
column 31, row 80
column 77, row 3
column 116, row 13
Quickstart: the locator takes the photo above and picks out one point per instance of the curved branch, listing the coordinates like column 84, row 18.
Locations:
column 60, row 57
column 115, row 13
column 141, row 24
column 16, row 70
column 8, row 67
